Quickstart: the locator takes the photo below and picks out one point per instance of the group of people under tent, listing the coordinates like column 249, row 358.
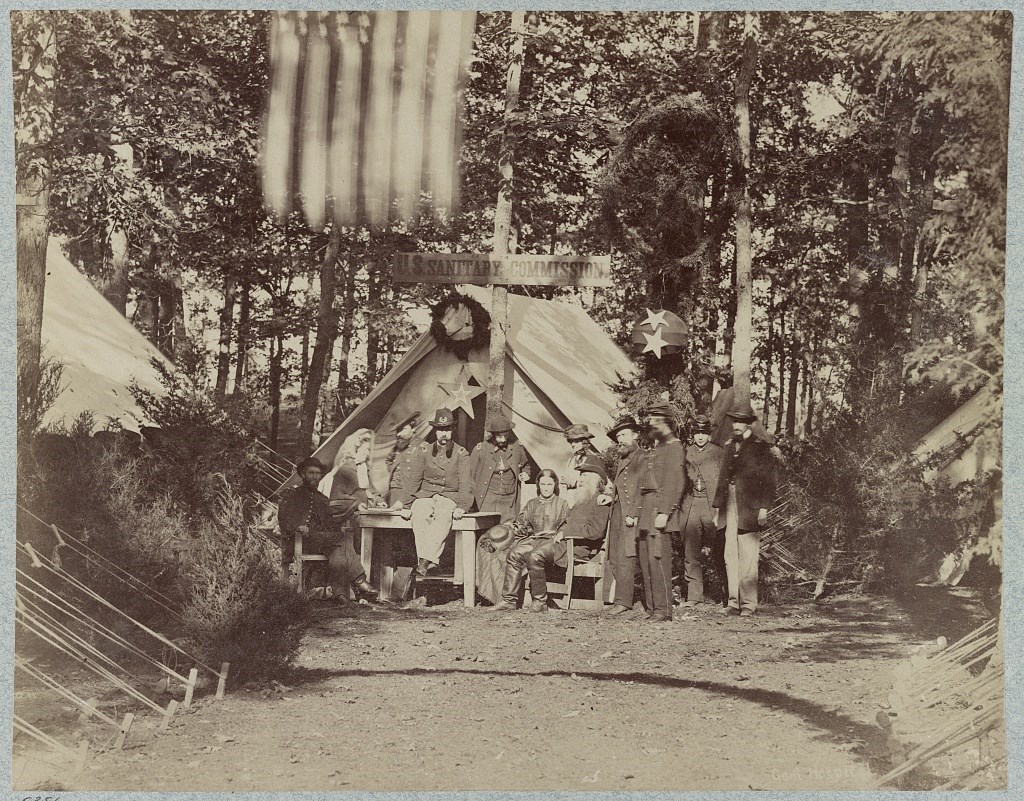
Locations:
column 633, row 501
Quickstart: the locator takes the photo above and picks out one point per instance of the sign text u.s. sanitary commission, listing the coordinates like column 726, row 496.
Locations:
column 484, row 268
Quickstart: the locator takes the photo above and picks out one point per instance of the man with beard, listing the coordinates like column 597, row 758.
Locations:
column 745, row 491
column 307, row 511
column 436, row 490
column 586, row 524
column 662, row 496
column 703, row 462
column 400, row 458
column 622, row 530
column 496, row 468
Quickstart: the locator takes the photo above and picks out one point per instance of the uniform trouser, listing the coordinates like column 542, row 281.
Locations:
column 717, row 543
column 540, row 558
column 698, row 527
column 622, row 558
column 742, row 554
column 431, row 525
column 517, row 563
column 343, row 564
column 655, row 556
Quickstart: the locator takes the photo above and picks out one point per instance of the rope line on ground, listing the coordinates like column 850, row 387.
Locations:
column 60, row 689
column 24, row 726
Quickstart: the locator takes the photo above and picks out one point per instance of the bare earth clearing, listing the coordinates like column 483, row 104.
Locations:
column 447, row 698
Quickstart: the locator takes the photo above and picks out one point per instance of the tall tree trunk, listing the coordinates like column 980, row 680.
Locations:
column 34, row 45
column 769, row 357
column 856, row 234
column 805, row 390
column 730, row 313
column 242, row 348
column 809, row 370
column 781, row 343
column 347, row 327
column 743, row 343
column 274, row 377
column 922, row 256
column 304, row 362
column 227, row 320
column 326, row 332
column 114, row 286
column 794, row 384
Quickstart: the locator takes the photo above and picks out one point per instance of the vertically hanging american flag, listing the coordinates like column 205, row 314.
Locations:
column 364, row 113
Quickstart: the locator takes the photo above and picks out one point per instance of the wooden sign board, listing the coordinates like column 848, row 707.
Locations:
column 518, row 268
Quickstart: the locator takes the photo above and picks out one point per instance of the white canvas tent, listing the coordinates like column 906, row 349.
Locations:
column 101, row 352
column 560, row 368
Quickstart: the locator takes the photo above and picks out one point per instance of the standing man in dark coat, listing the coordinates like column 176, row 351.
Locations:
column 306, row 511
column 496, row 468
column 703, row 463
column 745, row 492
column 662, row 492
column 623, row 530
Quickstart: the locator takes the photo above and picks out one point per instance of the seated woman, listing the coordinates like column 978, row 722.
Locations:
column 349, row 487
column 532, row 528
column 586, row 524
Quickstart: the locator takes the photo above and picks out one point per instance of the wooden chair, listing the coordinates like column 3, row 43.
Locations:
column 593, row 568
column 300, row 563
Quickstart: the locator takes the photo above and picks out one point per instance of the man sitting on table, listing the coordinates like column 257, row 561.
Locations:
column 436, row 490
column 306, row 511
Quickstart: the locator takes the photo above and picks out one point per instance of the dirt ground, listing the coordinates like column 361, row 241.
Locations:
column 447, row 698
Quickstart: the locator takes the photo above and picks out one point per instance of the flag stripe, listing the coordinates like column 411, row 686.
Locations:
column 315, row 97
column 345, row 134
column 407, row 153
column 277, row 141
column 380, row 115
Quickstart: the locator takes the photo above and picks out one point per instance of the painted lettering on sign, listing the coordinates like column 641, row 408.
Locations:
column 483, row 268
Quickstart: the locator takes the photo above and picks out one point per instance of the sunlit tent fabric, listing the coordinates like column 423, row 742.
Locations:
column 100, row 351
column 560, row 365
column 364, row 113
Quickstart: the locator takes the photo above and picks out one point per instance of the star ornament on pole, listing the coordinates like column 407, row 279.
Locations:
column 461, row 394
column 660, row 333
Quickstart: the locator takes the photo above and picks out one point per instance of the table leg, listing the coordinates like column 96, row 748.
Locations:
column 468, row 550
column 366, row 551
column 387, row 567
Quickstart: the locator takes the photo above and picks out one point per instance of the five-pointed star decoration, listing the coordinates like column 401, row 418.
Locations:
column 655, row 343
column 655, row 321
column 461, row 394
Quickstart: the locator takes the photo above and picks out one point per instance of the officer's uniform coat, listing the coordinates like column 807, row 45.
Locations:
column 622, row 550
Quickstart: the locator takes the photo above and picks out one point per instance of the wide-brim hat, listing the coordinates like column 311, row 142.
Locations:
column 412, row 420
column 578, row 431
column 499, row 424
column 623, row 423
column 701, row 424
column 443, row 418
column 500, row 535
column 742, row 412
column 592, row 465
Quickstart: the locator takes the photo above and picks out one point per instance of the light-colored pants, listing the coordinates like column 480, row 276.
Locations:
column 431, row 524
column 742, row 554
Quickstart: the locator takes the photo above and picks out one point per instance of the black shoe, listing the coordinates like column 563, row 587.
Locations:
column 365, row 588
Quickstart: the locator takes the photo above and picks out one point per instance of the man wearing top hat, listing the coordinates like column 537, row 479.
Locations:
column 746, row 490
column 436, row 490
column 401, row 457
column 496, row 468
column 661, row 491
column 623, row 530
column 703, row 462
column 578, row 436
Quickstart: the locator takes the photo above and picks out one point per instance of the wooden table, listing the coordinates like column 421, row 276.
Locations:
column 375, row 524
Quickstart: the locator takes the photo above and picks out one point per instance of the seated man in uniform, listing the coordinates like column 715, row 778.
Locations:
column 586, row 524
column 436, row 490
column 401, row 455
column 307, row 511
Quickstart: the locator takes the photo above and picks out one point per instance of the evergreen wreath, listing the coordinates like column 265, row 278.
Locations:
column 477, row 313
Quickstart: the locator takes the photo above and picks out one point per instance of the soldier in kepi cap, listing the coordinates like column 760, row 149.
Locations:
column 401, row 456
column 662, row 496
column 703, row 461
column 496, row 468
column 745, row 492
column 578, row 436
column 436, row 490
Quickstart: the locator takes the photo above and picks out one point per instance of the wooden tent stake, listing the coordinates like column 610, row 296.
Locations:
column 126, row 726
column 193, row 676
column 32, row 553
column 172, row 707
column 56, row 533
column 222, row 680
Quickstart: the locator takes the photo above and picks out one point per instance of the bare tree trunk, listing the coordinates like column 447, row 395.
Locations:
column 227, row 320
column 781, row 343
column 730, row 314
column 743, row 341
column 326, row 332
column 172, row 319
column 922, row 258
column 347, row 326
column 794, row 384
column 304, row 363
column 242, row 348
column 274, row 380
column 769, row 357
column 34, row 46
